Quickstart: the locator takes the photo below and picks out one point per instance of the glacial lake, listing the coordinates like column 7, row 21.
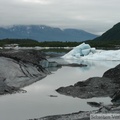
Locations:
column 37, row 102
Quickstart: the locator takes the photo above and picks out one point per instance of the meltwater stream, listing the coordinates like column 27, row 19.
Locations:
column 37, row 102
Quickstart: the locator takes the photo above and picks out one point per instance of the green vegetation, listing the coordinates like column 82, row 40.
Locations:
column 58, row 44
column 21, row 42
column 102, row 43
column 33, row 43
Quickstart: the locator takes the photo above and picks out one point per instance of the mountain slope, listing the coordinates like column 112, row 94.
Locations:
column 44, row 33
column 112, row 34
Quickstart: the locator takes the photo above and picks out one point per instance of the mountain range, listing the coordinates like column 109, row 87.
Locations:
column 44, row 33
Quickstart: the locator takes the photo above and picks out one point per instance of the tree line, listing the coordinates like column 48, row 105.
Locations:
column 33, row 43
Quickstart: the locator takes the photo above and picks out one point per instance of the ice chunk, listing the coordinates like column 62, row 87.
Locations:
column 83, row 46
column 93, row 50
column 80, row 50
column 85, row 52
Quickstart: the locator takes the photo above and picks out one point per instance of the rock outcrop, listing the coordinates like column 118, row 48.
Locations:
column 96, row 86
column 20, row 68
column 5, row 89
column 31, row 56
column 116, row 97
column 114, row 74
column 92, row 87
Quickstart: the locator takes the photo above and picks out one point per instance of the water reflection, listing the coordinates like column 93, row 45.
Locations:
column 37, row 103
column 90, row 63
column 53, row 69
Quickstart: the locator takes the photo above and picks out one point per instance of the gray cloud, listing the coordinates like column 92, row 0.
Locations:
column 90, row 15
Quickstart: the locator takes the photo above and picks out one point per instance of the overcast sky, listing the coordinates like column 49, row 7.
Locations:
column 95, row 16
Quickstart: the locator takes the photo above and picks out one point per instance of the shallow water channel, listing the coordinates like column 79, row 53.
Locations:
column 37, row 102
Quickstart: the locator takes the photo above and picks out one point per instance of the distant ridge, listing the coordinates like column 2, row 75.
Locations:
column 112, row 34
column 44, row 33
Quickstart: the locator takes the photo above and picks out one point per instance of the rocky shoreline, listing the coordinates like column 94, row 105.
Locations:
column 106, row 86
column 83, row 115
column 20, row 68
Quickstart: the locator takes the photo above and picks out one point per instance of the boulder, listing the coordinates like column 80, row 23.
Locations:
column 92, row 87
column 113, row 73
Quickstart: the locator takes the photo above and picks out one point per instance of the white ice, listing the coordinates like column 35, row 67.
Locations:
column 85, row 52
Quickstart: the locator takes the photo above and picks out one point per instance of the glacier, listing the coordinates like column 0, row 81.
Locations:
column 85, row 52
